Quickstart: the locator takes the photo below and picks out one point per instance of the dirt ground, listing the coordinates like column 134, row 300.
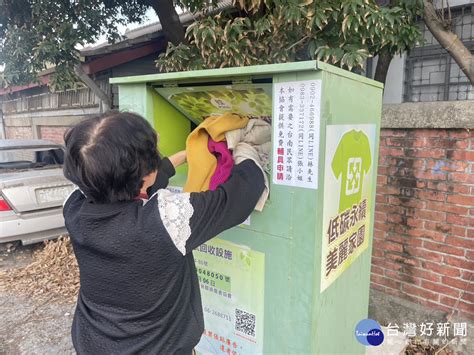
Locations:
column 28, row 326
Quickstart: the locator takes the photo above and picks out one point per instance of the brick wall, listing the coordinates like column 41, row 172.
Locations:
column 18, row 132
column 53, row 133
column 424, row 221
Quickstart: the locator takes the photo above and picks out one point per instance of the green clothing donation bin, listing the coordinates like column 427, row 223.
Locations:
column 294, row 278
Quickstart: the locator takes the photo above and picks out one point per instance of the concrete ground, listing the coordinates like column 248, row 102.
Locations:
column 28, row 326
column 31, row 327
column 394, row 346
column 387, row 309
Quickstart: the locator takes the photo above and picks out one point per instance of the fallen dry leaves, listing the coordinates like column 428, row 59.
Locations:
column 417, row 347
column 53, row 274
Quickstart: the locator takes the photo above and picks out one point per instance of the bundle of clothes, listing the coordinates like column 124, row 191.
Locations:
column 220, row 142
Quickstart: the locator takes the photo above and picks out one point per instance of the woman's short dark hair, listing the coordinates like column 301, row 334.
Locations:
column 108, row 156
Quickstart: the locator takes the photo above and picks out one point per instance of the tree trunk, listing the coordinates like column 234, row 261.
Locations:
column 385, row 58
column 106, row 102
column 383, row 63
column 169, row 19
column 449, row 41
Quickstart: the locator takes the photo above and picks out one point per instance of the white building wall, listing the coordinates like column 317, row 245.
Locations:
column 452, row 3
column 393, row 92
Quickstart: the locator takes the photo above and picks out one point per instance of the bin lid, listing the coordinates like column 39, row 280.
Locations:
column 234, row 73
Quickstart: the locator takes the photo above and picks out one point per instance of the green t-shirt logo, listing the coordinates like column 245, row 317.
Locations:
column 350, row 163
column 354, row 166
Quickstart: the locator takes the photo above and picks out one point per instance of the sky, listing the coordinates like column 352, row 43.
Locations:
column 151, row 17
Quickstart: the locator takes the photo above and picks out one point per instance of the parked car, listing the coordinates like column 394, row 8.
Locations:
column 32, row 190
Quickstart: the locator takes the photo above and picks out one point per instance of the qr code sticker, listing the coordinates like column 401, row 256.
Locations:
column 245, row 322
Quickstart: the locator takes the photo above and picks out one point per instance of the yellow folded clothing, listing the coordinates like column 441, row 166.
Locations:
column 202, row 163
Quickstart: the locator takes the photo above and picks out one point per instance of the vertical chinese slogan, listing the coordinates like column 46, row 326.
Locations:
column 232, row 279
column 347, row 197
column 296, row 122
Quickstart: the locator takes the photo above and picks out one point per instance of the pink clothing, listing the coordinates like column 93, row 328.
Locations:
column 225, row 162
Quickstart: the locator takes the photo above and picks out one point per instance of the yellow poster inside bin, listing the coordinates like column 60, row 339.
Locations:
column 198, row 103
column 347, row 209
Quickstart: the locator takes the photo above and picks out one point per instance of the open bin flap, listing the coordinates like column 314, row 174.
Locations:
column 199, row 102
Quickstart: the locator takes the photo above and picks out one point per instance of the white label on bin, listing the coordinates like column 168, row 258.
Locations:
column 296, row 125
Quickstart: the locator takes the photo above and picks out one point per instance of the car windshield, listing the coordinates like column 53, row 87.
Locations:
column 28, row 158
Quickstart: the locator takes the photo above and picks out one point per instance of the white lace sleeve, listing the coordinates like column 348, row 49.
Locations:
column 175, row 212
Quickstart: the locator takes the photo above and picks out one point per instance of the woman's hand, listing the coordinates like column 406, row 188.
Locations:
column 178, row 158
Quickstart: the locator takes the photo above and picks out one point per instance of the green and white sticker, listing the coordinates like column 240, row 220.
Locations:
column 232, row 279
column 348, row 182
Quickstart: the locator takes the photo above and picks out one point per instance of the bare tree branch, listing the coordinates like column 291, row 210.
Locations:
column 449, row 40
column 91, row 84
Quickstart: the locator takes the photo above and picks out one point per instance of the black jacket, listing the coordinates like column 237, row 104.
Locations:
column 139, row 289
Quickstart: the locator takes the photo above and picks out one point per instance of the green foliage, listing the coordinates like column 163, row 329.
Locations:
column 38, row 34
column 196, row 5
column 340, row 32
